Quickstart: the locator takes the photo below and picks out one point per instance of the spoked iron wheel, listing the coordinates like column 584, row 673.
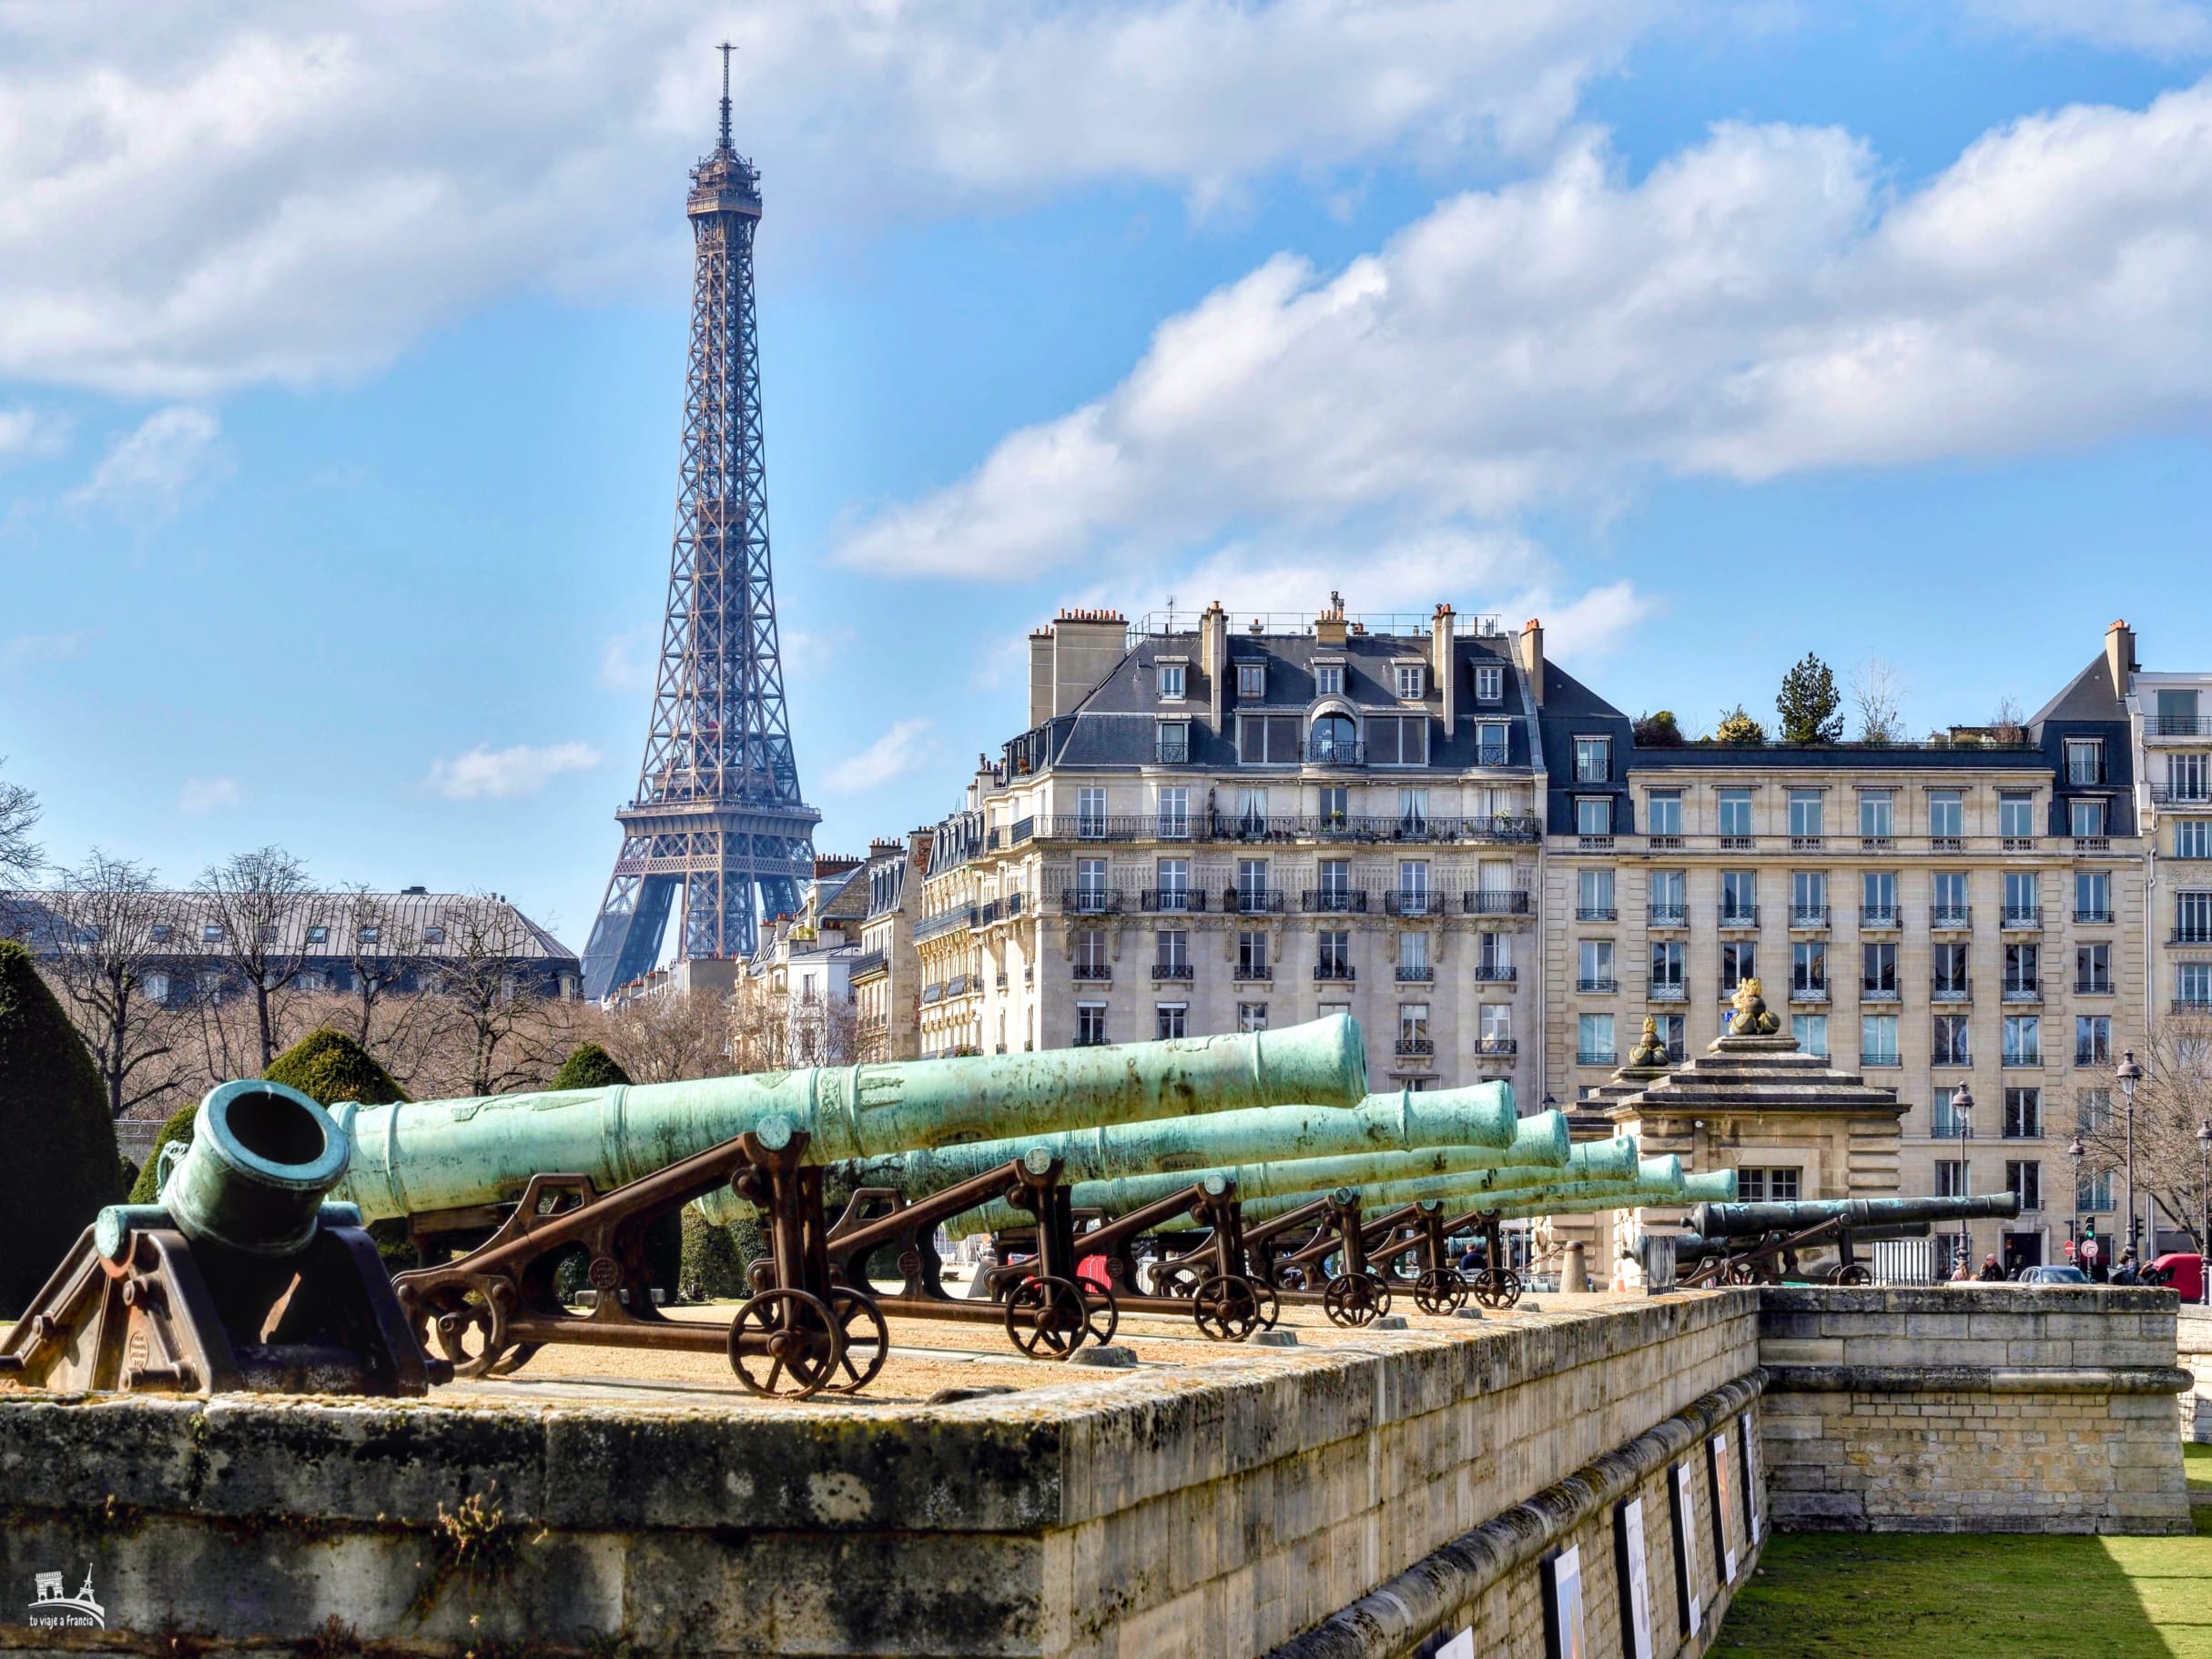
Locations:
column 1440, row 1290
column 1858, row 1273
column 867, row 1341
column 786, row 1344
column 1742, row 1273
column 1101, row 1313
column 468, row 1327
column 1226, row 1308
column 1497, row 1287
column 1047, row 1318
column 1267, row 1303
column 1356, row 1299
column 1175, row 1281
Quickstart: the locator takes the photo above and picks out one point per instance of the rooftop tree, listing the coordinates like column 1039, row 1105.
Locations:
column 1810, row 705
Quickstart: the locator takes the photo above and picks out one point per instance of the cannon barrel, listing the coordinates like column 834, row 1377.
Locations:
column 1716, row 1186
column 436, row 1155
column 1657, row 1179
column 1750, row 1221
column 1541, row 1137
column 1401, row 1121
column 1692, row 1247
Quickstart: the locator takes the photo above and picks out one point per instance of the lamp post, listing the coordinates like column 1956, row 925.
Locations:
column 2203, row 1192
column 2130, row 1074
column 1962, row 1110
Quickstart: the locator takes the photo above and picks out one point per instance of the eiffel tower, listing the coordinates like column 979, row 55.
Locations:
column 717, row 811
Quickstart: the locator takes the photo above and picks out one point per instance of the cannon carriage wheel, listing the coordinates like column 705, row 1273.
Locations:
column 1101, row 1313
column 1440, row 1290
column 1497, row 1287
column 868, row 1340
column 1229, row 1307
column 1857, row 1273
column 1355, row 1298
column 467, row 1322
column 1047, row 1318
column 801, row 1340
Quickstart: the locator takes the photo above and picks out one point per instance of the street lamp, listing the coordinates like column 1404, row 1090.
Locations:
column 2203, row 1192
column 2130, row 1074
column 1961, row 1111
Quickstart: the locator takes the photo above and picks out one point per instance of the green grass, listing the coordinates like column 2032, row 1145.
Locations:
column 1978, row 1596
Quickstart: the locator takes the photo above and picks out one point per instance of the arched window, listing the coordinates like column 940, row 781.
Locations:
column 1335, row 737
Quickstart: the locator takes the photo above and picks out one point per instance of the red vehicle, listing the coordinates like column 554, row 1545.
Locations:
column 2181, row 1272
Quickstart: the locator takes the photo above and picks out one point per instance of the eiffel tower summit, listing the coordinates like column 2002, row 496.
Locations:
column 717, row 811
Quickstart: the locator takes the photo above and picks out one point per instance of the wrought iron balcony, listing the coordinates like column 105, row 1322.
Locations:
column 1094, row 970
column 1879, row 993
column 1333, row 970
column 1598, row 984
column 1001, row 982
column 2191, row 936
column 1090, row 901
column 1666, row 992
column 1412, row 901
column 2185, row 794
column 1171, row 901
column 1808, row 916
column 1408, row 1046
column 2094, row 988
column 2177, row 726
column 1496, row 1047
column 1495, row 973
column 960, row 985
column 1425, row 974
column 1596, row 913
column 1951, row 916
column 945, row 921
column 1739, row 915
column 1808, row 992
column 2017, row 1058
column 1878, row 915
column 2096, row 1054
column 933, row 993
column 2023, row 918
column 1335, row 752
column 1594, row 1056
column 1667, row 915
column 2193, row 1004
column 1089, row 1040
column 2098, row 916
column 1952, row 990
column 1174, row 752
column 1251, row 901
column 1019, row 831
column 1496, row 901
column 1171, row 970
column 1172, row 828
column 1250, row 973
column 1493, row 754
column 2021, row 991
column 989, row 914
column 1334, row 901
column 868, row 964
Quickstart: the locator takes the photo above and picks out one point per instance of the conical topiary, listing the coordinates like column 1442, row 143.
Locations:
column 589, row 1066
column 329, row 1066
column 147, row 1187
column 61, row 1165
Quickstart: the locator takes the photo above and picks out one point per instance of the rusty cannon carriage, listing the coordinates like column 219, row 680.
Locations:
column 1743, row 1244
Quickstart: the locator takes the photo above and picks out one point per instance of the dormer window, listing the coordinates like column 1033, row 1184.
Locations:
column 1170, row 682
column 1409, row 682
column 1490, row 685
column 1329, row 680
column 1252, row 680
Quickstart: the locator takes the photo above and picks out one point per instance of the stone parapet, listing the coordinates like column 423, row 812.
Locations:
column 1973, row 1408
column 2193, row 1338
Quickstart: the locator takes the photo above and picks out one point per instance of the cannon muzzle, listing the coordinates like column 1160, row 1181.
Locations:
column 262, row 1156
column 1750, row 1221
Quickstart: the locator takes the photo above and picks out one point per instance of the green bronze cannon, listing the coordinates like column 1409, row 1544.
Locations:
column 1763, row 1243
column 240, row 1278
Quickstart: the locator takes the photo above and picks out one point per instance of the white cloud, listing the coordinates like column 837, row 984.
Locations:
column 505, row 774
column 625, row 660
column 28, row 649
column 1756, row 305
column 146, row 471
column 29, row 431
column 2162, row 28
column 896, row 753
column 202, row 796
column 326, row 183
column 808, row 651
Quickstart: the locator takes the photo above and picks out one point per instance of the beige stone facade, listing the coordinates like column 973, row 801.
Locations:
column 2170, row 717
column 886, row 976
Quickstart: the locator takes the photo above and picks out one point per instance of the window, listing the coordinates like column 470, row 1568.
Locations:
column 1950, row 909
column 1877, row 814
column 1739, row 896
column 1593, row 815
column 1950, row 1178
column 1951, row 1045
column 2023, row 897
column 2092, row 1111
column 1170, row 682
column 1412, row 1025
column 1670, row 891
column 2024, row 1181
column 1170, row 1020
column 319, row 935
column 1945, row 1116
column 1670, row 967
column 1329, row 679
column 1735, row 813
column 2023, row 1039
column 1878, row 1039
column 1174, row 813
column 2193, row 838
column 1252, row 955
column 1494, row 743
column 1333, row 954
column 1175, row 743
column 1663, row 812
column 1409, row 682
column 2093, row 1039
column 1673, row 1031
column 1335, row 738
column 2085, row 760
column 1594, row 1039
column 1251, row 1016
column 2017, row 817
column 2093, row 968
column 2092, row 895
column 1594, row 895
column 371, row 934
column 1251, row 892
column 2023, row 972
column 1593, row 760
column 2086, row 818
column 2024, row 1114
column 160, row 933
column 1267, row 740
column 1090, row 815
column 1336, row 877
column 1878, row 899
column 1091, row 961
column 1878, row 970
column 1496, row 956
column 1413, row 956
column 1739, row 962
column 1946, row 814
column 1809, row 969
column 1489, row 684
column 1395, row 742
column 1174, row 892
column 1768, row 1186
column 1811, row 1030
column 1806, row 815
column 211, row 932
column 1090, row 1024
column 1597, row 963
column 1413, row 812
column 156, row 987
column 1496, row 1026
column 1949, row 964
column 1252, row 681
column 2192, row 918
column 1808, row 899
column 1413, row 886
column 2188, row 777
column 2094, row 1192
column 2193, row 985
column 1335, row 807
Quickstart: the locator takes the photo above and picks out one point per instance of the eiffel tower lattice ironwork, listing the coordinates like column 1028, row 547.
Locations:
column 717, row 811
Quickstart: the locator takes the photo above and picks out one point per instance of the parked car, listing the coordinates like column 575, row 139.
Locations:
column 2182, row 1272
column 2054, row 1276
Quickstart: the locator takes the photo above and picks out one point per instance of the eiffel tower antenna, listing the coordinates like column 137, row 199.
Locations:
column 718, row 812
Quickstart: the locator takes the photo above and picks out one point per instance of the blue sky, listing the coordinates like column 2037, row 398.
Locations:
column 339, row 368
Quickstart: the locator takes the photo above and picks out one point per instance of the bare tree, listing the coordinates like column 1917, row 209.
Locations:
column 665, row 1038
column 495, row 1032
column 760, row 1025
column 2008, row 725
column 1877, row 693
column 383, row 947
column 2173, row 1099
column 20, row 856
column 824, row 1028
column 264, row 911
column 113, row 935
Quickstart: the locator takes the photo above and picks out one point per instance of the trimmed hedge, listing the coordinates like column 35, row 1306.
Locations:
column 62, row 1164
column 145, row 1190
column 330, row 1066
column 589, row 1066
column 713, row 1269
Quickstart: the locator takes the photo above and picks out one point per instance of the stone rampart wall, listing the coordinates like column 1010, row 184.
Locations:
column 2194, row 1339
column 1984, row 1407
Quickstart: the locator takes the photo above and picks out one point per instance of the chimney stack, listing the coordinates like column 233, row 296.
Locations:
column 1213, row 658
column 1040, row 677
column 1087, row 646
column 1443, row 669
column 1329, row 629
column 1531, row 654
column 2120, row 655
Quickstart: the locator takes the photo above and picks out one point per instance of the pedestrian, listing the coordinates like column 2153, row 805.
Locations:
column 1990, row 1272
column 2124, row 1272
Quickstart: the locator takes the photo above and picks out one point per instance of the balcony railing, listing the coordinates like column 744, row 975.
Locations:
column 1664, row 992
column 960, row 985
column 1594, row 1056
column 2025, row 991
column 1248, row 973
column 2182, row 794
column 1251, row 901
column 1091, row 900
column 1411, row 1046
column 1171, row 901
column 2021, row 1057
column 1174, row 829
column 2099, row 916
column 989, row 913
column 1879, row 993
column 1877, row 844
column 1426, row 973
column 1412, row 901
column 2018, row 843
column 1806, row 844
column 1663, row 843
column 2093, row 844
column 1739, row 915
column 1174, row 754
column 1877, row 915
column 2177, row 726
column 1094, row 970
column 2093, row 987
column 1496, row 1047
column 1493, row 754
column 1739, row 843
column 1333, row 751
column 1952, row 990
column 2193, row 1004
column 1951, row 916
column 1596, row 913
column 2096, row 1054
column 1946, row 844
column 2191, row 936
column 1593, row 844
column 1019, row 831
column 2022, row 918
column 1410, row 827
column 1667, row 915
column 1090, row 1039
column 1333, row 970
column 1334, row 901
column 1808, row 992
column 945, row 921
column 1598, row 984
column 866, row 963
column 1171, row 970
column 1495, row 901
column 1495, row 973
column 933, row 993
column 1808, row 916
